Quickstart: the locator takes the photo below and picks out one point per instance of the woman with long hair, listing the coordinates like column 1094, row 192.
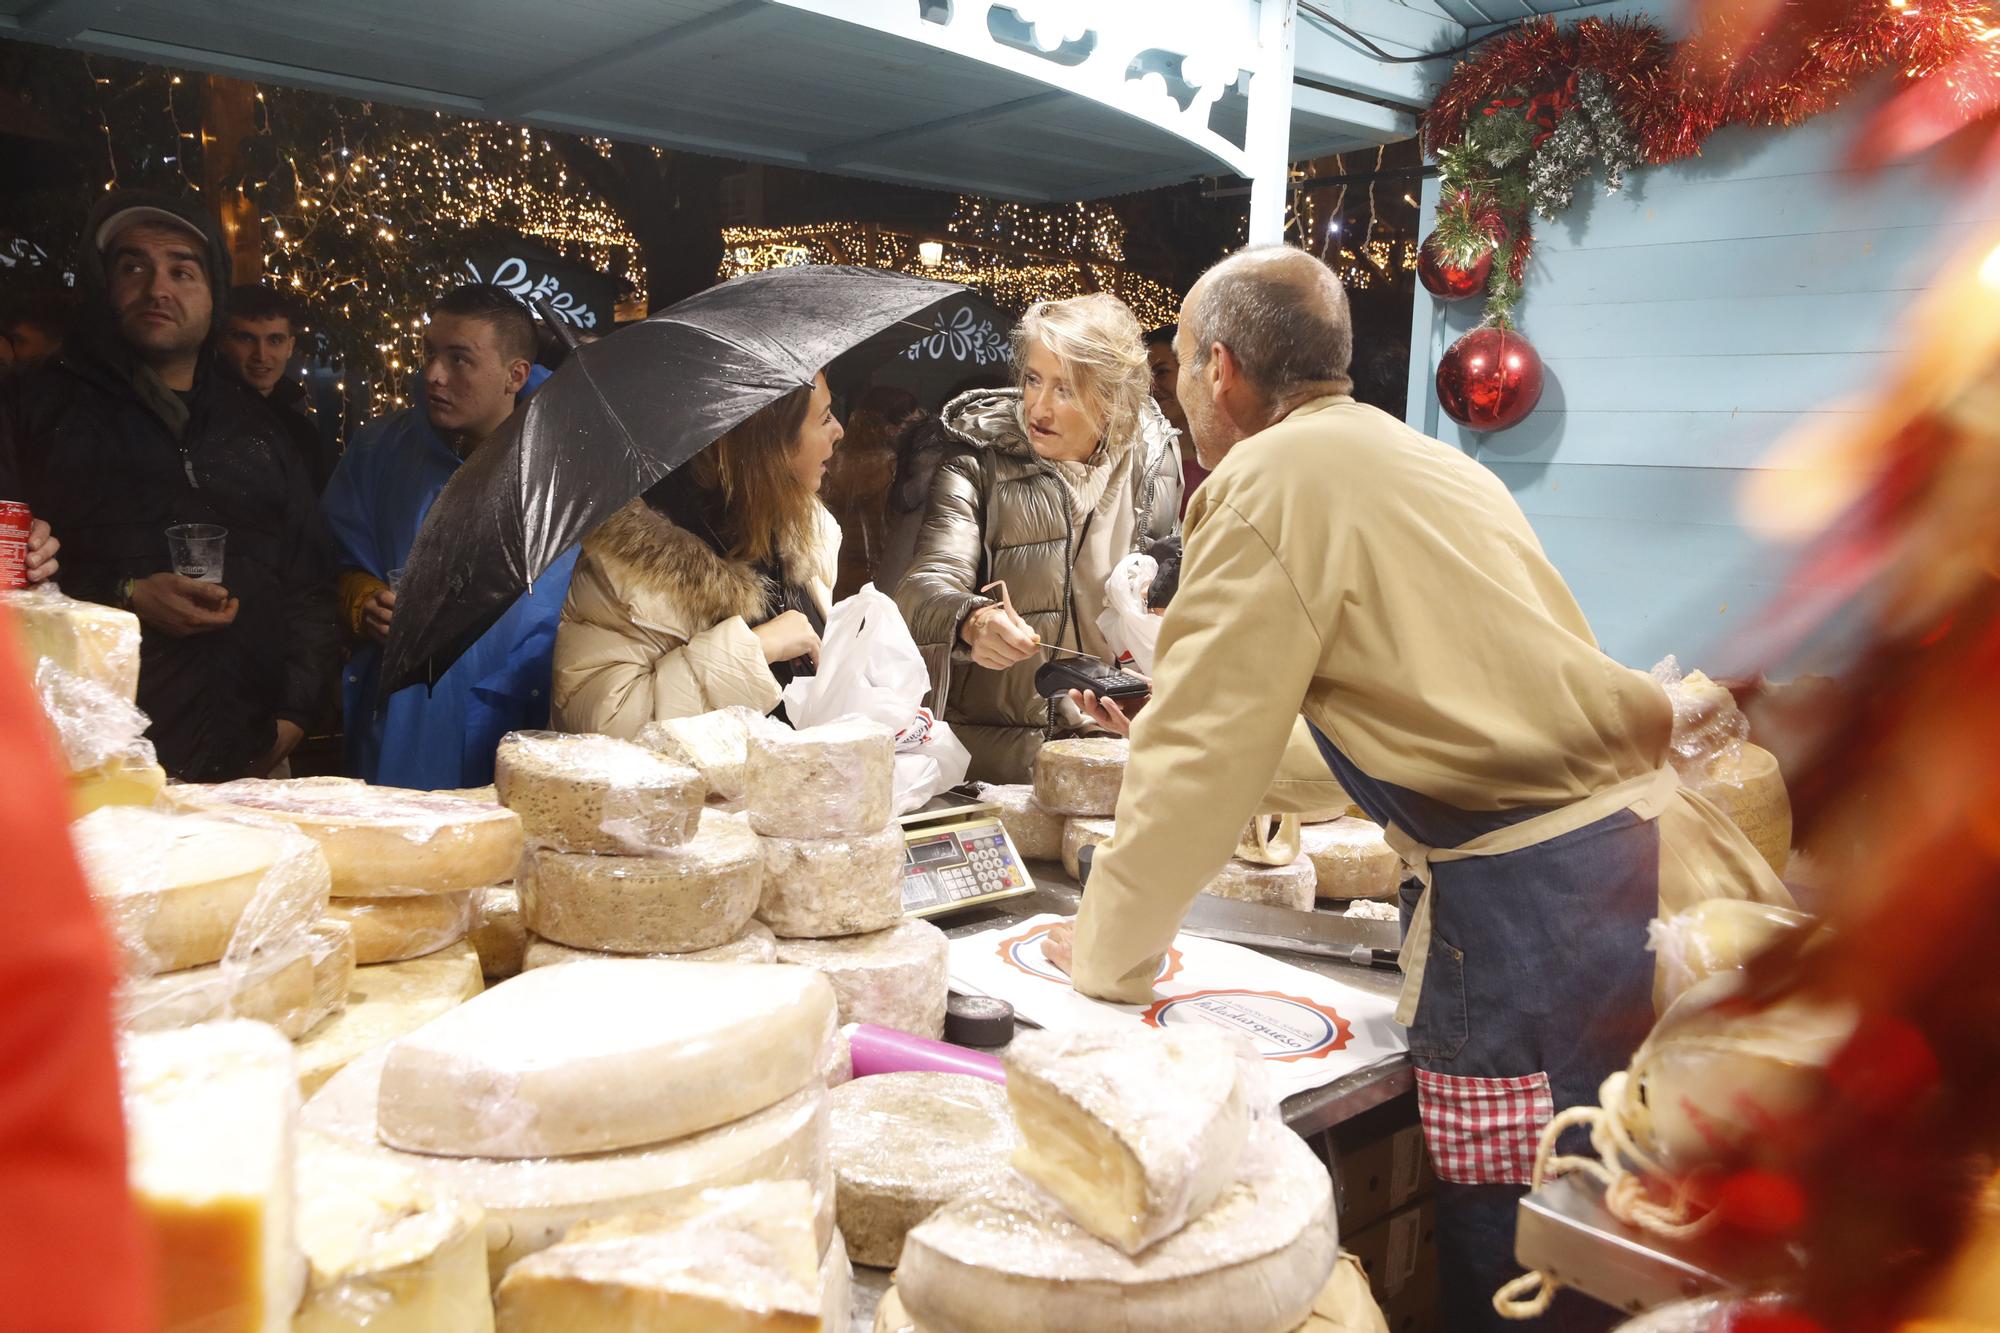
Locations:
column 710, row 590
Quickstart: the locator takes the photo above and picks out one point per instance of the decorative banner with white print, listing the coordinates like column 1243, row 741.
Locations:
column 1310, row 1029
column 960, row 334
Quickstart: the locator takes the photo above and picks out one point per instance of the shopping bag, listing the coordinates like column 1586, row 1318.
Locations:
column 1132, row 631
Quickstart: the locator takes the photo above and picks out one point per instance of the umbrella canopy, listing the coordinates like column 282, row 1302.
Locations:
column 964, row 343
column 618, row 416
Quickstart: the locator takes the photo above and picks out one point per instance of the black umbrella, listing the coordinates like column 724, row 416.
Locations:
column 963, row 343
column 620, row 414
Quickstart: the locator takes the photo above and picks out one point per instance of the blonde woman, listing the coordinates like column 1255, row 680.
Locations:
column 712, row 589
column 1047, row 486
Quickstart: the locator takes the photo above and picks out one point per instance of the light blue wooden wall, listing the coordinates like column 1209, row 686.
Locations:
column 1686, row 324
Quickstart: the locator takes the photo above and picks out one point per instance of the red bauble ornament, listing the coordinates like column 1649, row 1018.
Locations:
column 1448, row 282
column 1490, row 379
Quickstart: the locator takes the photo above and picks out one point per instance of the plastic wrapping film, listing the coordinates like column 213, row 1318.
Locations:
column 1009, row 1258
column 499, row 931
column 85, row 665
column 530, row 1203
column 388, row 1250
column 1134, row 1133
column 823, row 782
column 392, row 930
column 904, row 1145
column 332, row 945
column 1719, row 1314
column 1715, row 935
column 716, row 745
column 823, row 887
column 294, row 988
column 1269, row 840
column 86, row 639
column 383, row 1003
column 896, row 978
column 1081, row 776
column 381, row 841
column 1351, row 859
column 596, row 793
column 1709, row 729
column 693, row 897
column 605, row 1055
column 755, row 945
column 1293, row 886
column 1079, row 834
column 1037, row 833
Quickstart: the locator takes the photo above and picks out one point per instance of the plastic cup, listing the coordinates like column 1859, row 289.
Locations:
column 196, row 550
column 396, row 578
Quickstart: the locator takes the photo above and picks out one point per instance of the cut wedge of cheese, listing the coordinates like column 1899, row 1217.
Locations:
column 597, row 1056
column 381, row 841
column 1290, row 886
column 97, row 643
column 529, row 1205
column 824, row 782
column 389, row 1251
column 1010, row 1260
column 1351, row 859
column 128, row 779
column 1079, row 834
column 716, row 745
column 1037, row 833
column 693, row 897
column 393, row 930
column 331, row 944
column 499, row 932
column 1135, row 1133
column 597, row 793
column 383, row 1003
column 275, row 990
column 755, row 945
column 1081, row 777
column 893, row 978
column 826, row 887
column 210, row 1116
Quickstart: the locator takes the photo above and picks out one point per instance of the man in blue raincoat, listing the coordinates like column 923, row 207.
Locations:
column 478, row 350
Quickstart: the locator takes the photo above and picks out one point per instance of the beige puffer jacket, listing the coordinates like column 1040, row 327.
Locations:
column 997, row 511
column 657, row 625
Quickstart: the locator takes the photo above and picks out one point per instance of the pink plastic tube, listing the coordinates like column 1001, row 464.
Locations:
column 887, row 1051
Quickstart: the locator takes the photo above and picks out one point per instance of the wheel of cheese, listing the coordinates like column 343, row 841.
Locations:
column 388, row 1250
column 1270, row 840
column 530, row 1204
column 1273, row 886
column 1079, row 834
column 1752, row 793
column 273, row 989
column 1037, row 833
column 1081, row 777
column 1351, row 859
column 383, row 1003
column 391, row 930
column 1329, row 814
column 604, row 1055
column 381, row 841
column 1344, row 1305
column 893, row 978
column 715, row 745
column 694, row 897
column 824, row 887
column 172, row 887
column 823, row 782
column 755, row 945
column 904, row 1145
column 596, row 793
column 1010, row 1259
column 499, row 935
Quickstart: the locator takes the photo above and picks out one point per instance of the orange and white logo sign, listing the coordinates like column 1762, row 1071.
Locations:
column 1023, row 952
column 1282, row 1027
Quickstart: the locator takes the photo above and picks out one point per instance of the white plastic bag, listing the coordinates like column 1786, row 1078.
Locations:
column 870, row 667
column 1132, row 631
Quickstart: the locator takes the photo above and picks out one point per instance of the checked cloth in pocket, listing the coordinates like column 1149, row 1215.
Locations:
column 1484, row 1131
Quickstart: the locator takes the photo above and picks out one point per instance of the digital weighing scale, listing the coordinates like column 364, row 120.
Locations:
column 956, row 853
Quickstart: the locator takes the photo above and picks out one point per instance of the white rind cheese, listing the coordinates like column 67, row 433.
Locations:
column 393, row 930
column 755, row 945
column 1081, row 777
column 210, row 1117
column 1269, row 840
column 380, row 841
column 499, row 933
column 529, row 1205
column 1079, row 834
column 383, row 1003
column 823, row 782
column 906, row 1144
column 276, row 990
column 1134, row 1133
column 596, row 793
column 894, row 978
column 1011, row 1261
column 1037, row 833
column 825, row 887
column 1274, row 886
column 715, row 745
column 389, row 1251
column 694, row 897
column 1351, row 859
column 598, row 1056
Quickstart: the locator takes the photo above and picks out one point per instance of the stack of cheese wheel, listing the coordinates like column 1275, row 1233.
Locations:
column 598, row 1088
column 215, row 917
column 624, row 858
column 822, row 801
column 1037, row 833
column 1152, row 1200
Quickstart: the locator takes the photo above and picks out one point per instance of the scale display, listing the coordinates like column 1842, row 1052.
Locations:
column 958, row 865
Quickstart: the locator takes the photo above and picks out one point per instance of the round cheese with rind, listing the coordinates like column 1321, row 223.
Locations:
column 1079, row 834
column 1037, row 833
column 824, row 887
column 380, row 841
column 391, row 930
column 716, row 745
column 755, row 945
column 383, row 1003
column 1274, row 886
column 692, row 897
column 1751, row 791
column 1081, row 776
column 823, row 782
column 530, row 1204
column 896, row 978
column 906, row 1144
column 598, row 1056
column 1009, row 1260
column 592, row 793
column 1351, row 859
column 276, row 990
column 499, row 934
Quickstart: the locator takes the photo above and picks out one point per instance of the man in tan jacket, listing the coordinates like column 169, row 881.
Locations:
column 1343, row 568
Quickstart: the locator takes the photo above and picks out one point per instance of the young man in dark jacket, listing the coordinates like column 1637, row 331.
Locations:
column 257, row 343
column 133, row 428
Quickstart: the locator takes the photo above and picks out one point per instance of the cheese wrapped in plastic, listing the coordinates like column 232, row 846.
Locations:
column 1081, row 777
column 906, row 1144
column 1715, row 935
column 293, row 986
column 755, row 945
column 830, row 781
column 1037, row 833
column 823, row 887
column 692, row 897
column 1711, row 751
column 1351, row 859
column 597, row 793
column 88, row 640
column 894, row 978
column 383, row 1003
column 392, row 930
column 499, row 931
column 1291, row 886
column 715, row 745
column 1079, row 834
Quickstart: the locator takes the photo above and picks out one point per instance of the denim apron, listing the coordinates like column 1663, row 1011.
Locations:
column 1528, row 983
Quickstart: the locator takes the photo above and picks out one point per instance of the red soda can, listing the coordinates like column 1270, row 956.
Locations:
column 15, row 522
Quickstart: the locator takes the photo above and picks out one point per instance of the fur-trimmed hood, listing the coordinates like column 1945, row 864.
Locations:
column 648, row 553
